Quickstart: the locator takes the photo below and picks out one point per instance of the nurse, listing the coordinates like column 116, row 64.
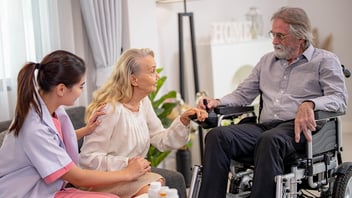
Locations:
column 39, row 155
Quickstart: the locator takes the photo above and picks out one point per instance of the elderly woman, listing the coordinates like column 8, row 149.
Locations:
column 130, row 124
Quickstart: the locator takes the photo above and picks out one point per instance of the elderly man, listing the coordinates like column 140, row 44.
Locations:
column 293, row 80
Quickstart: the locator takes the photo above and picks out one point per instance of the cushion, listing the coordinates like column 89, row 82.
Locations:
column 76, row 115
column 4, row 125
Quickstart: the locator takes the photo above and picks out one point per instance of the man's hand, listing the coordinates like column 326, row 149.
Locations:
column 305, row 121
column 212, row 103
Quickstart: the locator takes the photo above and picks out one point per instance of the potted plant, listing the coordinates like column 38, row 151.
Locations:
column 163, row 107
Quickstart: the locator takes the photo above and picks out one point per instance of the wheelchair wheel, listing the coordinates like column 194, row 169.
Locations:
column 343, row 185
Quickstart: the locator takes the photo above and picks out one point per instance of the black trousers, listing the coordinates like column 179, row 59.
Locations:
column 268, row 144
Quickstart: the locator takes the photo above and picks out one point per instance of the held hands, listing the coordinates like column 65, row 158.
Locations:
column 305, row 121
column 137, row 167
column 200, row 113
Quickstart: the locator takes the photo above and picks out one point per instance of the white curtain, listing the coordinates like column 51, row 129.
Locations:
column 102, row 19
column 16, row 48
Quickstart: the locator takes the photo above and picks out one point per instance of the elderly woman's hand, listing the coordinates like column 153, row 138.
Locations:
column 200, row 113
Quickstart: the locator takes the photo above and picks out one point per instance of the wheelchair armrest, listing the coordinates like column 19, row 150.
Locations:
column 321, row 115
column 221, row 112
column 230, row 110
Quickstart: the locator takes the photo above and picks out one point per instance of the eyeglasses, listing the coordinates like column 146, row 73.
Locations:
column 278, row 35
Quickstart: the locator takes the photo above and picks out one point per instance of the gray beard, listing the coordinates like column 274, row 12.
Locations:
column 281, row 52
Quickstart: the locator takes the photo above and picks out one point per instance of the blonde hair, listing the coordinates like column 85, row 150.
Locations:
column 118, row 87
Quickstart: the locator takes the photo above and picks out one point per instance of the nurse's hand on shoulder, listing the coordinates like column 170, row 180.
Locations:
column 200, row 113
column 92, row 124
column 137, row 167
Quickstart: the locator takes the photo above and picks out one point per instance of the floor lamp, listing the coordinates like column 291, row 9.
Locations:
column 188, row 15
column 181, row 16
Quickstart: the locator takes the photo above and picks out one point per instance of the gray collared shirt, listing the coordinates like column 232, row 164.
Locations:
column 316, row 76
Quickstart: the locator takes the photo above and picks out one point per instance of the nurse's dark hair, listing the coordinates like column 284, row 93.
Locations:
column 58, row 67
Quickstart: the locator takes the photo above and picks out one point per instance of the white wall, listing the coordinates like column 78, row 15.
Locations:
column 141, row 24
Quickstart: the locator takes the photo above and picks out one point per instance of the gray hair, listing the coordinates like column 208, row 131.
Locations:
column 298, row 21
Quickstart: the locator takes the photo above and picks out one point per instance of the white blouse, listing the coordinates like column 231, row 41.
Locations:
column 123, row 134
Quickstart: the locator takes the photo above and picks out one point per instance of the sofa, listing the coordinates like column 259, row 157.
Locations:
column 173, row 179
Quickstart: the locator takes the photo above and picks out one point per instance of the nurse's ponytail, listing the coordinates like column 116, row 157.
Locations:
column 55, row 68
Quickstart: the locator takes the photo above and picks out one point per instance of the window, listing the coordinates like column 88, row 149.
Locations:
column 15, row 49
column 21, row 41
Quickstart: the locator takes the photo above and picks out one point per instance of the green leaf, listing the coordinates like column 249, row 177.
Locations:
column 167, row 109
column 170, row 95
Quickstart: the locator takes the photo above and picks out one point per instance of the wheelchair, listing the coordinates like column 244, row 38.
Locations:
column 319, row 172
